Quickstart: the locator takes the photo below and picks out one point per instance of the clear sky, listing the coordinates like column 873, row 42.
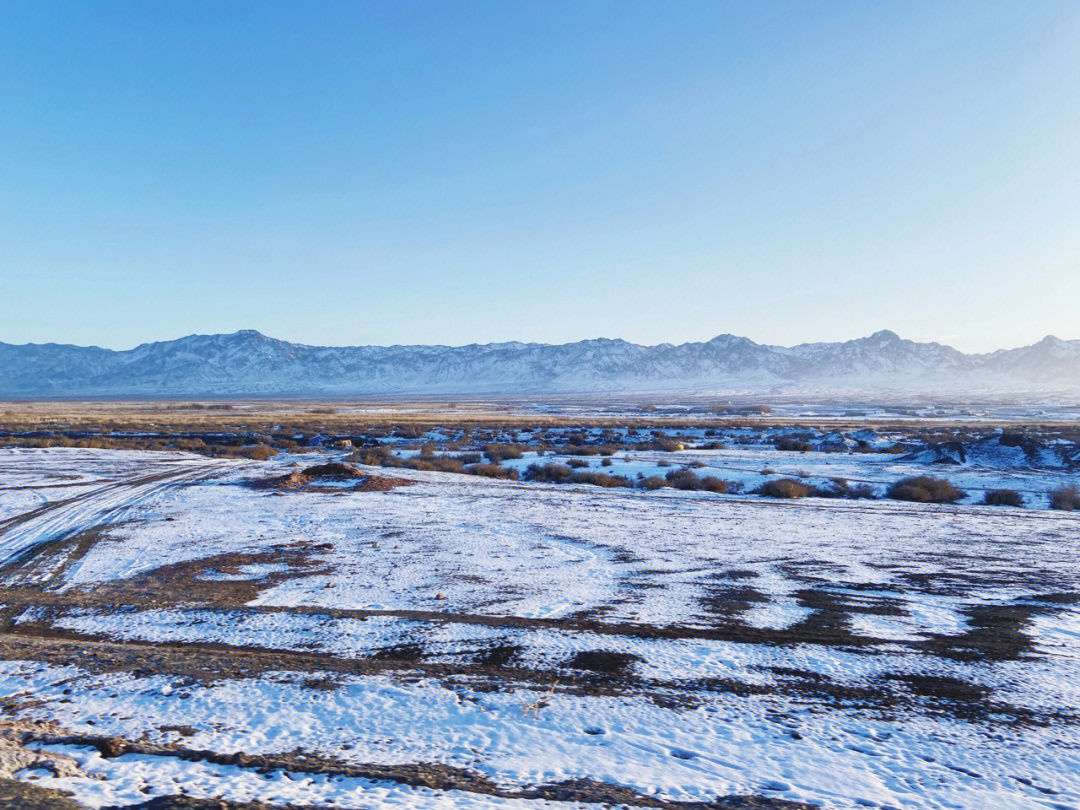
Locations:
column 444, row 172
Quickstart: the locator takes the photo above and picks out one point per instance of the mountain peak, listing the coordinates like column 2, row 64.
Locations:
column 727, row 337
column 247, row 362
column 885, row 336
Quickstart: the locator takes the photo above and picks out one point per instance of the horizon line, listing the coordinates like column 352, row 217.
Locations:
column 879, row 333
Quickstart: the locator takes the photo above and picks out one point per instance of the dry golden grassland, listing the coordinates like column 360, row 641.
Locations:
column 340, row 417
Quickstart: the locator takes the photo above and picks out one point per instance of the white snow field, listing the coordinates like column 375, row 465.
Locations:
column 464, row 642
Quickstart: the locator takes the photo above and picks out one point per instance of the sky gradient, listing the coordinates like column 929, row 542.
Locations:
column 352, row 173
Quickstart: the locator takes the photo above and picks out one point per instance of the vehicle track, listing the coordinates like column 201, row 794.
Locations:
column 27, row 533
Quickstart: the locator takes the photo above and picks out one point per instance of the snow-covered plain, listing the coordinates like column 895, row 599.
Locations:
column 685, row 645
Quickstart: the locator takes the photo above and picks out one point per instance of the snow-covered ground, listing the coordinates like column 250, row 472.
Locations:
column 753, row 466
column 685, row 645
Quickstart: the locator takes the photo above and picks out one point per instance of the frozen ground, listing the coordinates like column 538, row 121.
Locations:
column 466, row 642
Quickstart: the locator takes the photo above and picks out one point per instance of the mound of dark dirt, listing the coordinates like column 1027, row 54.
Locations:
column 381, row 483
column 317, row 478
column 333, row 471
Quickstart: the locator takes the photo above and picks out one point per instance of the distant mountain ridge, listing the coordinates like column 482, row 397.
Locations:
column 249, row 363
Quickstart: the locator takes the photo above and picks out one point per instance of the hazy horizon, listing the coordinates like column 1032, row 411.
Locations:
column 550, row 343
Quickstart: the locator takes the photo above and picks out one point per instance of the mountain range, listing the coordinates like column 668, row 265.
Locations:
column 249, row 363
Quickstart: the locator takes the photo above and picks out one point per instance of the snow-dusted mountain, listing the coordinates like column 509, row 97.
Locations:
column 248, row 363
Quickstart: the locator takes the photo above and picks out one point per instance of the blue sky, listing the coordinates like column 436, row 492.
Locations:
column 345, row 173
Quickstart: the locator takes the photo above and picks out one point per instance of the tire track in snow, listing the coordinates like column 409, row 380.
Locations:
column 26, row 533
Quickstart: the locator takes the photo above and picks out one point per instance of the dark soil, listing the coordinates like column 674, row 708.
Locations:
column 15, row 795
column 316, row 478
column 604, row 663
column 422, row 775
column 994, row 633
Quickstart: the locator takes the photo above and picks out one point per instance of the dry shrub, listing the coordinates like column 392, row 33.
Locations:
column 841, row 488
column 710, row 483
column 683, row 479
column 862, row 492
column 563, row 474
column 496, row 453
column 784, row 488
column 600, row 479
column 652, row 482
column 577, row 449
column 1002, row 497
column 664, row 444
column 548, row 473
column 492, row 471
column 426, row 463
column 792, row 445
column 372, row 456
column 924, row 489
column 1065, row 498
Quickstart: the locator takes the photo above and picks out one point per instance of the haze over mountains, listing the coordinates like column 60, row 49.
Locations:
column 249, row 363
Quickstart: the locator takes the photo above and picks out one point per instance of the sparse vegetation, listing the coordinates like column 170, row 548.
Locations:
column 1066, row 499
column 925, row 489
column 784, row 488
column 791, row 444
column 491, row 471
column 600, row 479
column 683, row 479
column 563, row 474
column 664, row 444
column 687, row 480
column 652, row 482
column 710, row 483
column 862, row 492
column 841, row 488
column 548, row 473
column 1002, row 497
column 497, row 453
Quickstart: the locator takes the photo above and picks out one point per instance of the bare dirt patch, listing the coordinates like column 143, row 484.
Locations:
column 432, row 776
column 16, row 795
column 219, row 580
column 329, row 478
